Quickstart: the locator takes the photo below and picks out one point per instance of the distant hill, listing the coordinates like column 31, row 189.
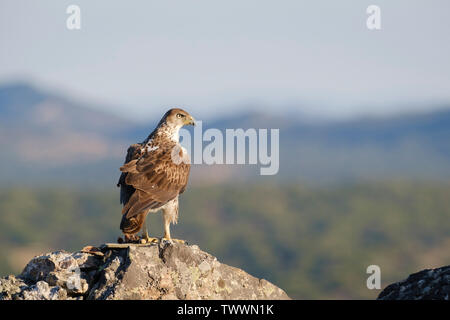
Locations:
column 412, row 145
column 403, row 146
column 49, row 138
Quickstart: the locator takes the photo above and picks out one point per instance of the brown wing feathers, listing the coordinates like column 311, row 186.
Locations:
column 155, row 178
column 126, row 191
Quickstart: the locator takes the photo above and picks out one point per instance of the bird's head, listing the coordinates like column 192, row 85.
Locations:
column 178, row 118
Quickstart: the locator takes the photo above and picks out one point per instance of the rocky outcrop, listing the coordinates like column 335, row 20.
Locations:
column 158, row 271
column 429, row 284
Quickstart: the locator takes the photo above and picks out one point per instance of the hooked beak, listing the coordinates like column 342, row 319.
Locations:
column 190, row 121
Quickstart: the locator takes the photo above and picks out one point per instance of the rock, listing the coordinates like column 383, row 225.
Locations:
column 134, row 271
column 11, row 287
column 62, row 269
column 429, row 284
column 42, row 291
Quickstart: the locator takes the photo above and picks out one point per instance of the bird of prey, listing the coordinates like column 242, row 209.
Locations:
column 155, row 172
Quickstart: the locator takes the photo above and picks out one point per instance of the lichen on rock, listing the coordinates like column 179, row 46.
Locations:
column 429, row 284
column 158, row 271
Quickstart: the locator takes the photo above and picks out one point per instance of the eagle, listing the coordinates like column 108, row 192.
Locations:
column 155, row 173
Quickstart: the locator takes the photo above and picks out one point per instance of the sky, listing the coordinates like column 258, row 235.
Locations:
column 311, row 58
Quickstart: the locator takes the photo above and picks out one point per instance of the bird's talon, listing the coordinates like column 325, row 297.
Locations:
column 171, row 240
column 149, row 240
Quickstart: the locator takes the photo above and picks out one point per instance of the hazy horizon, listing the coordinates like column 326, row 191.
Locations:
column 240, row 108
column 308, row 58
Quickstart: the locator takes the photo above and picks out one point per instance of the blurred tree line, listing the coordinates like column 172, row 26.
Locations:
column 313, row 242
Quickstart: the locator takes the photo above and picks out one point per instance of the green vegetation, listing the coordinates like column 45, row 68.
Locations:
column 312, row 242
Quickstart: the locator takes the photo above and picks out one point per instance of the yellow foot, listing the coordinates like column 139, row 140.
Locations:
column 147, row 239
column 175, row 240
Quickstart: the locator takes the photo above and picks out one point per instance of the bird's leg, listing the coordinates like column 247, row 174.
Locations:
column 167, row 229
column 145, row 238
column 167, row 221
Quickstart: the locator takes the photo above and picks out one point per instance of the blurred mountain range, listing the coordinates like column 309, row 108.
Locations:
column 47, row 138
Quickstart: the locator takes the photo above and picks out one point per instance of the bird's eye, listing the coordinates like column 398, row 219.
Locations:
column 179, row 115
